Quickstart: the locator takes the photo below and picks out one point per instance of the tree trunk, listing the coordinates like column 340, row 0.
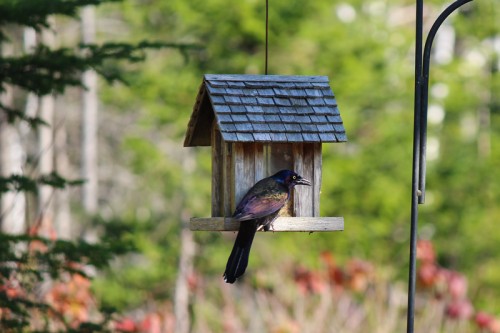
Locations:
column 46, row 150
column 188, row 247
column 62, row 218
column 12, row 204
column 89, row 121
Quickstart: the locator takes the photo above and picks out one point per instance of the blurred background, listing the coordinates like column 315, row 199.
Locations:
column 142, row 186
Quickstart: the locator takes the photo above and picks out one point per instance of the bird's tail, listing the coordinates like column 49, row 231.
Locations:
column 238, row 260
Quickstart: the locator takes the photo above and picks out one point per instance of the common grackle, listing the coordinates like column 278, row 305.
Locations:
column 258, row 208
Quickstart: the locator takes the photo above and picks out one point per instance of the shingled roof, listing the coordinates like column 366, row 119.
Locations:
column 265, row 108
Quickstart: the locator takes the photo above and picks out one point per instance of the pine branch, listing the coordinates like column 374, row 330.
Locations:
column 51, row 71
column 34, row 14
column 21, row 183
column 13, row 114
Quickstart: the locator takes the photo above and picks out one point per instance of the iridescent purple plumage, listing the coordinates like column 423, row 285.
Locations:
column 259, row 207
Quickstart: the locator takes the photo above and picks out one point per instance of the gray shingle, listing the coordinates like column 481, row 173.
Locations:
column 327, row 137
column 243, row 127
column 311, row 128
column 303, row 119
column 267, row 108
column 276, row 127
column 262, row 137
column 334, row 119
column 287, row 118
column 265, row 101
column 255, row 84
column 278, row 137
column 224, row 118
column 282, row 101
column 261, row 127
column 335, row 111
column 280, row 92
column 239, row 118
column 341, row 137
column 235, row 84
column 320, row 84
column 271, row 109
column 297, row 93
column 316, row 101
column 298, row 101
column 272, row 117
column 338, row 128
column 229, row 136
column 256, row 117
column 266, row 92
column 245, row 137
column 217, row 99
column 325, row 128
column 303, row 84
column 216, row 90
column 220, row 108
column 314, row 93
column 234, row 91
column 232, row 99
column 304, row 110
column 254, row 108
column 322, row 109
column 319, row 119
column 294, row 137
column 238, row 108
column 292, row 127
column 216, row 84
column 248, row 100
column 327, row 93
column 227, row 127
column 330, row 101
column 311, row 137
column 287, row 110
column 251, row 92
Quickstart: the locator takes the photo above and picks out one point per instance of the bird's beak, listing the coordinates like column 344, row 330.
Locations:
column 302, row 181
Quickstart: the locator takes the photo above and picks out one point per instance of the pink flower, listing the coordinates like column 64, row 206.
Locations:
column 483, row 320
column 459, row 309
column 457, row 285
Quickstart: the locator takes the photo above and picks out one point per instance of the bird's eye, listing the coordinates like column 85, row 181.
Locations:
column 294, row 177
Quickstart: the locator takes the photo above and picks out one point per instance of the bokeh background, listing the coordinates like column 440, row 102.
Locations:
column 148, row 185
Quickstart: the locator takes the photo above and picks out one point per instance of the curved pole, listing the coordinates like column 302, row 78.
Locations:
column 419, row 138
column 425, row 93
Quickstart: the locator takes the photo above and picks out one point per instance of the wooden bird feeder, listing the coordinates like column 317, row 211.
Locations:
column 256, row 126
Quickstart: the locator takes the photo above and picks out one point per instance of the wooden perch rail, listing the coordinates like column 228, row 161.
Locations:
column 305, row 224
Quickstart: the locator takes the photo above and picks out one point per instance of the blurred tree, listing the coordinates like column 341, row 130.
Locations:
column 33, row 256
column 367, row 51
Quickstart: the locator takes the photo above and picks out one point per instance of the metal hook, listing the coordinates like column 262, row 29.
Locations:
column 424, row 95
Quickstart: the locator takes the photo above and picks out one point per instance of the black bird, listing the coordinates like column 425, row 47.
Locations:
column 258, row 208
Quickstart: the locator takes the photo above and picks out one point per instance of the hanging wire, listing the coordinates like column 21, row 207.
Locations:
column 267, row 35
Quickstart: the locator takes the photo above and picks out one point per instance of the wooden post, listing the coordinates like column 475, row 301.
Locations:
column 260, row 165
column 227, row 178
column 308, row 170
column 217, row 173
column 317, row 167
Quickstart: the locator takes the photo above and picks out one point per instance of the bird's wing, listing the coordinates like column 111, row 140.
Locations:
column 257, row 206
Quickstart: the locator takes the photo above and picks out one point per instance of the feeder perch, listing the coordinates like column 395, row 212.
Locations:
column 256, row 126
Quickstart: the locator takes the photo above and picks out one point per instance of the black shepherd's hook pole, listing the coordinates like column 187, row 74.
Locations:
column 422, row 63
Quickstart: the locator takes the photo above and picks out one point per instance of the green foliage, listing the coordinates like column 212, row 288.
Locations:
column 22, row 183
column 28, row 260
column 35, row 14
column 369, row 59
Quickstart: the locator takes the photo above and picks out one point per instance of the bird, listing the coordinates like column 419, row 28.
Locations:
column 258, row 209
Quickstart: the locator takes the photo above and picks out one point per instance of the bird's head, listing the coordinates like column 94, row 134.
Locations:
column 290, row 178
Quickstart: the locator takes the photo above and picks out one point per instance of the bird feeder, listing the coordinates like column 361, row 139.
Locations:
column 256, row 126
